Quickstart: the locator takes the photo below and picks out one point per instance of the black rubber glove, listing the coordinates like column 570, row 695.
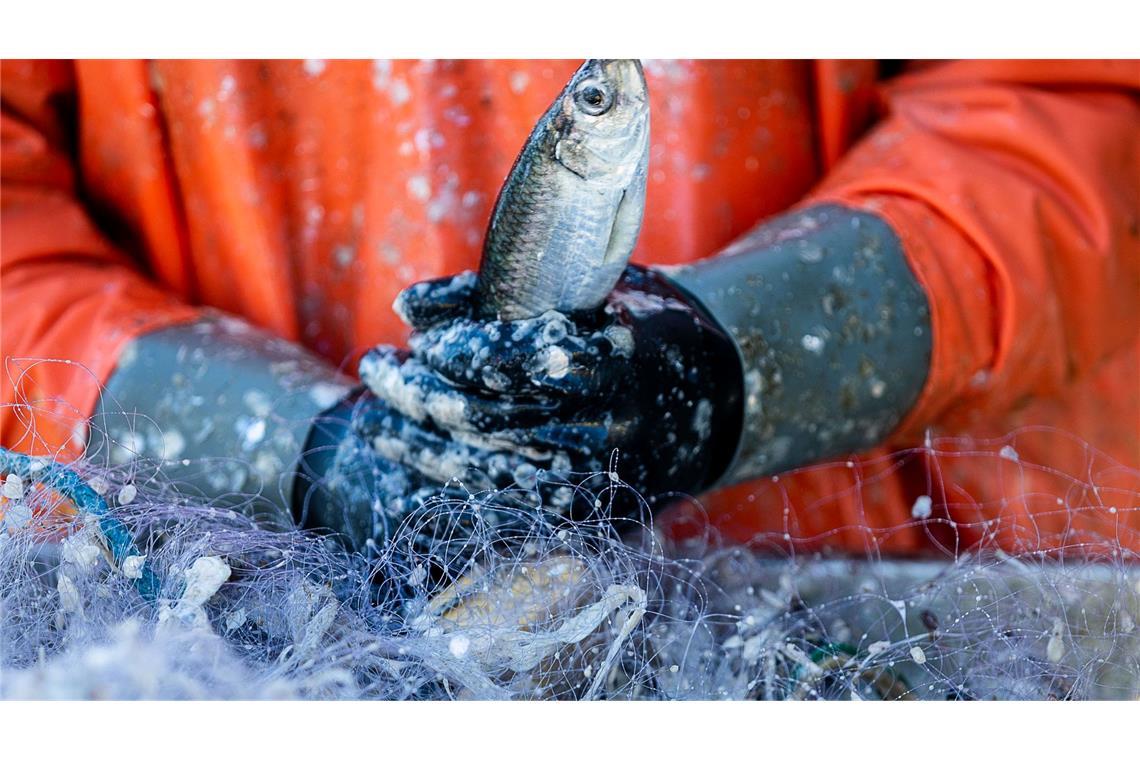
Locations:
column 344, row 485
column 367, row 467
column 649, row 376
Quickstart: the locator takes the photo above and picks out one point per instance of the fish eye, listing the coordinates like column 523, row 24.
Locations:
column 594, row 98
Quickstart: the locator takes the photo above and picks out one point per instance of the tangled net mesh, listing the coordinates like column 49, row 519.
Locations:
column 485, row 595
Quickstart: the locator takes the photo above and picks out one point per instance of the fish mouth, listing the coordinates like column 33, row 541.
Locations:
column 629, row 75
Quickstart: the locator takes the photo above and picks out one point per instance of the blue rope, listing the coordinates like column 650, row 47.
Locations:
column 68, row 483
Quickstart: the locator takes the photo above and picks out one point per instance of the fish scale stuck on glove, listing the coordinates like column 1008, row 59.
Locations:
column 568, row 215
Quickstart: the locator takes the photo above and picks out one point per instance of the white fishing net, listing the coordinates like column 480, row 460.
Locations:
column 480, row 595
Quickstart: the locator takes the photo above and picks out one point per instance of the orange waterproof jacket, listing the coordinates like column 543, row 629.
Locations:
column 303, row 196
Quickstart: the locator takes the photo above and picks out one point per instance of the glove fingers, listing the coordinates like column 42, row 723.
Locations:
column 416, row 391
column 426, row 304
column 492, row 354
column 405, row 409
column 582, row 441
column 586, row 370
column 436, row 455
column 559, row 447
column 506, row 461
column 520, row 358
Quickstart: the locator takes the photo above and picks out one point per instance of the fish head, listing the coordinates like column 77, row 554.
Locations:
column 600, row 122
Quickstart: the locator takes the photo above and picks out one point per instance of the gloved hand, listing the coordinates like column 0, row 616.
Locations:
column 367, row 466
column 649, row 376
column 344, row 484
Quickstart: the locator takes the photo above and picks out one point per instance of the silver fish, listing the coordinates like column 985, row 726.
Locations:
column 569, row 213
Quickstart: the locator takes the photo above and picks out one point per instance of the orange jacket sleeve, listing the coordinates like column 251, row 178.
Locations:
column 65, row 291
column 1015, row 187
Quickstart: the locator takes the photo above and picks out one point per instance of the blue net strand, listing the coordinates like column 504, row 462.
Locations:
column 60, row 478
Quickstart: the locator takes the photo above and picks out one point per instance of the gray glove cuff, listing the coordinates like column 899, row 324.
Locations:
column 225, row 409
column 833, row 330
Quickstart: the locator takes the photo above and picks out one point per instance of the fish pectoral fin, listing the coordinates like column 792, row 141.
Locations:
column 626, row 226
